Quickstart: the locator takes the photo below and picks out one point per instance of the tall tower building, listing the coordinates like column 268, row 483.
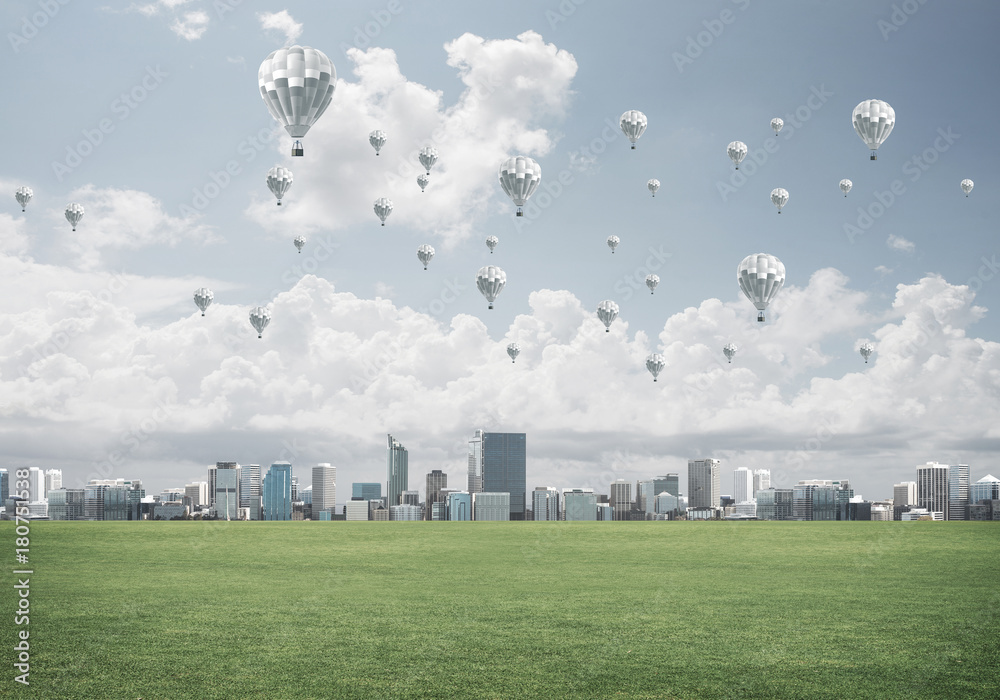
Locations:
column 36, row 485
column 196, row 494
column 436, row 480
column 545, row 503
column 366, row 491
column 250, row 489
column 761, row 481
column 4, row 485
column 620, row 498
column 703, row 483
column 958, row 492
column 277, row 492
column 904, row 494
column 476, row 462
column 227, row 490
column 324, row 489
column 645, row 496
column 579, row 504
column 986, row 489
column 53, row 480
column 397, row 471
column 505, row 468
column 932, row 487
column 668, row 482
column 212, row 473
column 743, row 480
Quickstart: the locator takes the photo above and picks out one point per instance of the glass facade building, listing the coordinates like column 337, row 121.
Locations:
column 986, row 489
column 250, row 489
column 580, row 504
column 460, row 505
column 958, row 492
column 774, row 504
column 932, row 487
column 277, row 492
column 324, row 490
column 227, row 492
column 476, row 463
column 397, row 471
column 366, row 491
column 505, row 468
column 703, row 483
column 66, row 504
column 545, row 503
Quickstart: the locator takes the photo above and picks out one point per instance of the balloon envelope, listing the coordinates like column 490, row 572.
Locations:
column 737, row 151
column 300, row 243
column 422, row 180
column 967, row 186
column 779, row 197
column 873, row 122
column 653, row 185
column 259, row 318
column 613, row 242
column 633, row 124
column 845, row 186
column 297, row 84
column 607, row 311
column 777, row 123
column 491, row 242
column 513, row 350
column 74, row 212
column 23, row 195
column 652, row 281
column 519, row 177
column 279, row 179
column 428, row 156
column 655, row 364
column 377, row 140
column 729, row 350
column 424, row 254
column 383, row 207
column 203, row 298
column 760, row 277
column 490, row 281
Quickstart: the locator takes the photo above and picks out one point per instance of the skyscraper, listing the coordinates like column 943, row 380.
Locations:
column 620, row 498
column 277, row 492
column 488, row 505
column 476, row 462
column 703, row 483
column 670, row 483
column 545, row 503
column 932, row 487
column 53, row 479
column 986, row 489
column 761, row 480
column 743, row 480
column 579, row 504
column 436, row 480
column 36, row 485
column 397, row 471
column 460, row 505
column 645, row 496
column 227, row 490
column 196, row 494
column 366, row 491
column 504, row 468
column 250, row 489
column 904, row 494
column 958, row 492
column 4, row 485
column 324, row 489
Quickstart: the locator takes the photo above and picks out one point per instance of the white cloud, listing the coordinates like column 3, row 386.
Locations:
column 883, row 270
column 899, row 243
column 281, row 22
column 191, row 26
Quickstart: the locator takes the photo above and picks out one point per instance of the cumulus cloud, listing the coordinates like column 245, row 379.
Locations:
column 281, row 22
column 191, row 26
column 899, row 243
column 515, row 90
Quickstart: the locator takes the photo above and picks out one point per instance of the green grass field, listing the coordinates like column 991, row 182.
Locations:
column 510, row 610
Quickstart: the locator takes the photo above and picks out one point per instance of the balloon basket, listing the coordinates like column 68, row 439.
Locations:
column 633, row 146
column 760, row 317
column 279, row 204
column 297, row 149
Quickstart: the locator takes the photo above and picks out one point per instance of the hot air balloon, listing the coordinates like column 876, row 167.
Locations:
column 652, row 281
column 513, row 349
column 873, row 120
column 490, row 281
column 519, row 178
column 776, row 124
column 428, row 157
column 383, row 207
column 297, row 84
column 967, row 186
column 655, row 364
column 845, row 186
column 729, row 350
column 613, row 242
column 653, row 185
column 23, row 195
column 279, row 179
column 633, row 123
column 866, row 350
column 300, row 243
column 377, row 140
column 422, row 180
column 760, row 276
column 74, row 212
column 259, row 318
column 607, row 311
column 737, row 151
column 779, row 197
column 491, row 243
column 203, row 298
column 424, row 254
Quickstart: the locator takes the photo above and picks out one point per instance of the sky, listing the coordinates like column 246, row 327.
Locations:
column 149, row 115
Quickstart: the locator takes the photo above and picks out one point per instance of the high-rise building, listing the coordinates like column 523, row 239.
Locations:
column 366, row 491
column 212, row 471
column 932, row 488
column 666, row 503
column 227, row 491
column 405, row 511
column 36, row 485
column 409, row 498
column 761, row 480
column 304, row 495
column 397, row 471
column 296, row 495
column 276, row 501
column 4, row 485
column 670, row 483
column 620, row 499
column 645, row 496
column 436, row 480
column 774, row 504
column 487, row 505
column 545, row 503
column 904, row 494
column 703, row 483
column 356, row 509
column 579, row 504
column 324, row 489
column 958, row 492
column 986, row 489
column 53, row 479
column 250, row 494
column 196, row 494
column 505, row 468
column 460, row 505
column 66, row 504
column 743, row 480
column 476, row 462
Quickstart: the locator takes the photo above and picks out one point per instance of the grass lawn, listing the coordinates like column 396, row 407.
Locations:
column 509, row 610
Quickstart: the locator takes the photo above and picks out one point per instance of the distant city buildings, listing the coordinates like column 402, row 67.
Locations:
column 905, row 494
column 227, row 491
column 579, row 504
column 703, row 483
column 277, row 492
column 761, row 480
column 620, row 499
column 545, row 503
column 504, row 468
column 436, row 481
column 932, row 488
column 324, row 489
column 250, row 490
column 743, row 485
column 958, row 492
column 366, row 491
column 397, row 471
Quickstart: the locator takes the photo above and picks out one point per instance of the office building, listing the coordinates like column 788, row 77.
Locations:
column 932, row 487
column 227, row 491
column 460, row 505
column 545, row 503
column 276, row 496
column 743, row 480
column 169, row 510
column 324, row 489
column 36, row 485
column 366, row 491
column 666, row 504
column 504, row 465
column 475, row 477
column 881, row 511
column 406, row 511
column 703, row 483
column 356, row 509
column 170, row 495
column 605, row 512
column 196, row 494
column 761, row 480
column 487, row 505
column 410, row 498
column 904, row 494
column 250, row 489
column 922, row 514
column 645, row 496
column 620, row 499
column 745, row 509
column 4, row 486
column 397, row 471
column 66, row 504
column 579, row 504
column 958, row 492
column 436, row 480
column 774, row 504
column 53, row 479
column 986, row 489
column 305, row 496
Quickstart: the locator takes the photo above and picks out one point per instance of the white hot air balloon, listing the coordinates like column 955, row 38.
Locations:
column 74, row 212
column 513, row 349
column 760, row 276
column 297, row 84
column 866, row 350
column 491, row 243
column 422, row 180
column 845, row 186
column 300, row 243
column 23, row 195
column 377, row 140
column 428, row 156
column 607, row 311
column 424, row 254
column 729, row 350
column 967, row 186
column 519, row 178
column 259, row 318
column 279, row 179
column 651, row 282
column 613, row 242
column 779, row 197
column 490, row 281
column 203, row 298
column 633, row 123
column 653, row 185
column 737, row 151
column 873, row 120
column 383, row 207
column 777, row 123
column 655, row 364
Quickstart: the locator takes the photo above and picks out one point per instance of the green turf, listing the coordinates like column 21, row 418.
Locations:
column 510, row 610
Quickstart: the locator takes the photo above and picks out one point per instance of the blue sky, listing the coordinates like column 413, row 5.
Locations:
column 364, row 342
